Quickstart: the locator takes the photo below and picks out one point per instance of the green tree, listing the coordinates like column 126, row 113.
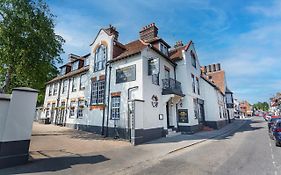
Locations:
column 29, row 47
column 261, row 106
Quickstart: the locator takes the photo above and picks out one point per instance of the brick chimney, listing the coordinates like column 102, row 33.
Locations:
column 112, row 31
column 178, row 44
column 149, row 32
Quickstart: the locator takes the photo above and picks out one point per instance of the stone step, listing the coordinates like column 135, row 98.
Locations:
column 173, row 133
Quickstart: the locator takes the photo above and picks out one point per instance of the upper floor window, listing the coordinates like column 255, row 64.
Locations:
column 62, row 70
column 55, row 89
column 198, row 87
column 64, row 86
column 153, row 69
column 83, row 79
column 193, row 59
column 75, row 65
column 163, row 49
column 50, row 89
column 86, row 61
column 100, row 58
column 193, row 83
column 74, row 84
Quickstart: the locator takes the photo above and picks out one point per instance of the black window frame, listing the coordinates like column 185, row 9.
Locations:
column 193, row 83
column 74, row 81
column 198, row 86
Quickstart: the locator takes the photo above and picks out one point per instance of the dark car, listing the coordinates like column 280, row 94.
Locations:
column 275, row 132
column 271, row 121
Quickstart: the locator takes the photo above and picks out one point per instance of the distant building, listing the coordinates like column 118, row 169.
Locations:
column 246, row 108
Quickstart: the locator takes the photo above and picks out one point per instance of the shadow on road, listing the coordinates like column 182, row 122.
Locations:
column 248, row 126
column 53, row 164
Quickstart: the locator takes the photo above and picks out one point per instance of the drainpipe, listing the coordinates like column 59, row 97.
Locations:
column 66, row 103
column 129, row 97
column 108, row 98
column 104, row 97
column 58, row 99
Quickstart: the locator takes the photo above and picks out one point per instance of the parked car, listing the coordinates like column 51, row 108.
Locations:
column 275, row 132
column 272, row 120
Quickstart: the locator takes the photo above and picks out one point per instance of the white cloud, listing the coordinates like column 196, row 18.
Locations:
column 274, row 10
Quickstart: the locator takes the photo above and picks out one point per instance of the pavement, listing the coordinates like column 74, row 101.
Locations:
column 89, row 154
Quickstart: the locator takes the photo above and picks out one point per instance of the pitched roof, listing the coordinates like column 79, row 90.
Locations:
column 72, row 73
column 176, row 54
column 131, row 48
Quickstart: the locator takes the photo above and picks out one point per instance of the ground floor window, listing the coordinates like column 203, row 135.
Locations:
column 72, row 109
column 195, row 106
column 115, row 108
column 81, row 106
column 48, row 110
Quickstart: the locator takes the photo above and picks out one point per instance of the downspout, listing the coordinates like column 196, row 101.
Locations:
column 108, row 100
column 104, row 97
column 129, row 97
column 66, row 103
column 58, row 99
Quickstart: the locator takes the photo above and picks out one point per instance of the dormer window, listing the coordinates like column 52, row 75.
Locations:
column 163, row 49
column 86, row 61
column 75, row 66
column 62, row 70
column 100, row 58
column 193, row 59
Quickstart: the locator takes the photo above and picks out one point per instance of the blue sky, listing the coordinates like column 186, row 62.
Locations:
column 244, row 36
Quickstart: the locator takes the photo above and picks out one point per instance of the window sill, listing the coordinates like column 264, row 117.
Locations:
column 97, row 106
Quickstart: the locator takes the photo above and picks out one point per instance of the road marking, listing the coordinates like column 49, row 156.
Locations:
column 272, row 156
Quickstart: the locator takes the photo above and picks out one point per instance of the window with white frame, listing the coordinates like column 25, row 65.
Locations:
column 83, row 79
column 193, row 83
column 50, row 90
column 115, row 108
column 64, row 86
column 48, row 110
column 97, row 94
column 100, row 58
column 153, row 69
column 74, row 84
column 86, row 61
column 62, row 70
column 195, row 106
column 75, row 65
column 193, row 59
column 72, row 109
column 55, row 89
column 81, row 105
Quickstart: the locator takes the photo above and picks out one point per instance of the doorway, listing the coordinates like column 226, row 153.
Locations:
column 168, row 115
column 202, row 114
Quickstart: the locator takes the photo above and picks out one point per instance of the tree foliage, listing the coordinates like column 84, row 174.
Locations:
column 261, row 106
column 29, row 47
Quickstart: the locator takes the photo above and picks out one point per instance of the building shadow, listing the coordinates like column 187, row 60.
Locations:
column 53, row 164
column 248, row 126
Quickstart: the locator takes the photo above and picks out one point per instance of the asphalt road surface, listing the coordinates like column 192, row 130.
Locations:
column 248, row 151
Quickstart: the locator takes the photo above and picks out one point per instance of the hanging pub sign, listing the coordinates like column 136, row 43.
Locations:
column 126, row 74
column 183, row 115
column 154, row 101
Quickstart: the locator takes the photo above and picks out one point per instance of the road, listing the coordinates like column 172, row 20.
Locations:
column 247, row 151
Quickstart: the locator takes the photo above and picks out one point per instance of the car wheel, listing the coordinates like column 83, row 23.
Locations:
column 277, row 143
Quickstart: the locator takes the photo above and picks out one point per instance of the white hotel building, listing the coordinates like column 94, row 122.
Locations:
column 139, row 91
